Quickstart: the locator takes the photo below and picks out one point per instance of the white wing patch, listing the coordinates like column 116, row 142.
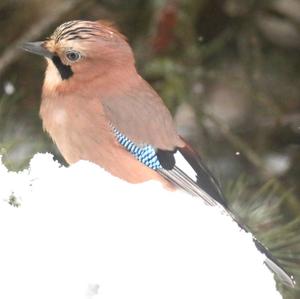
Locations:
column 184, row 166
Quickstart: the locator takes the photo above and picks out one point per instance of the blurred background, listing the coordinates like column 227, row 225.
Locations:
column 229, row 71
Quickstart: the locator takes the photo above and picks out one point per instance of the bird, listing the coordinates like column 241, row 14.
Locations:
column 97, row 107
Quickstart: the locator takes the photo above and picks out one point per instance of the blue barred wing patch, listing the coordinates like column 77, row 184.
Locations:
column 145, row 154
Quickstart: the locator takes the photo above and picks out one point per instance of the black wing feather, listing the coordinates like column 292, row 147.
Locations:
column 204, row 186
column 207, row 188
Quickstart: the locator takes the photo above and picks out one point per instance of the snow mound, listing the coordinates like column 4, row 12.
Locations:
column 82, row 233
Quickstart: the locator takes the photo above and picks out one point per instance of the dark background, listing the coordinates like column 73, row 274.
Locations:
column 229, row 71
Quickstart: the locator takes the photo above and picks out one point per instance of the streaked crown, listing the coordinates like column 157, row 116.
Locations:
column 83, row 30
column 82, row 49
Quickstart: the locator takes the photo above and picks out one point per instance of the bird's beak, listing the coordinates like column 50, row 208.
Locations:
column 37, row 48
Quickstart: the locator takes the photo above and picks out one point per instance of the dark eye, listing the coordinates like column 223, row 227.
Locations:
column 73, row 55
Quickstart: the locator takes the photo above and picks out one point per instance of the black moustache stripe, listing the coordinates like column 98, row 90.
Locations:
column 65, row 71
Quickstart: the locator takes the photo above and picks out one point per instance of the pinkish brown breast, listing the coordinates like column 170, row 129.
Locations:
column 81, row 132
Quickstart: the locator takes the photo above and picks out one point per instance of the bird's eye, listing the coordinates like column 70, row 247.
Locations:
column 73, row 55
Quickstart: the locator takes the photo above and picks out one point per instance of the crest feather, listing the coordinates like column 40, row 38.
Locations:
column 112, row 27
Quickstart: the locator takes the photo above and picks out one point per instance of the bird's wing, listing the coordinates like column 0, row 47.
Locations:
column 140, row 114
column 184, row 168
column 144, row 127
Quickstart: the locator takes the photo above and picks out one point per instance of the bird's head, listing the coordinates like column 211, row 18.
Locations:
column 81, row 51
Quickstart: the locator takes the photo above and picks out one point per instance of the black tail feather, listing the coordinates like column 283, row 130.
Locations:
column 203, row 185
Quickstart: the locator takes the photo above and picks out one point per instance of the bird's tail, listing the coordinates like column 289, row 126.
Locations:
column 272, row 263
column 183, row 167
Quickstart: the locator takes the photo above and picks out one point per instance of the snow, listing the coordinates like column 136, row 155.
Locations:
column 81, row 233
column 9, row 88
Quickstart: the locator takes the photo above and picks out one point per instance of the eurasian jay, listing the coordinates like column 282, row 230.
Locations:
column 96, row 107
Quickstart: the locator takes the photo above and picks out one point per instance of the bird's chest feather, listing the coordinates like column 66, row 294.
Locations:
column 82, row 132
column 78, row 128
